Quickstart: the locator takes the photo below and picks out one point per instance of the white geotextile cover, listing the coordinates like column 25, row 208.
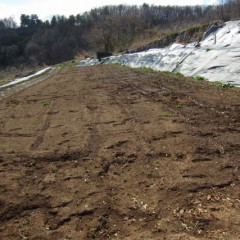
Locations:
column 19, row 80
column 215, row 62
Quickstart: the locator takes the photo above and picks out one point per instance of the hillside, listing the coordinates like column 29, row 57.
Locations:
column 189, row 35
column 215, row 58
column 109, row 152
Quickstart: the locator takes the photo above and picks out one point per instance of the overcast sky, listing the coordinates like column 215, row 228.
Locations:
column 46, row 8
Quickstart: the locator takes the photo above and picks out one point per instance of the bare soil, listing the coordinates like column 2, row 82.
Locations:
column 108, row 152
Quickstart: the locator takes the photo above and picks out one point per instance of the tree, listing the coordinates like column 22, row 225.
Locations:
column 71, row 20
column 25, row 20
column 221, row 10
column 8, row 23
column 34, row 21
column 105, row 33
column 31, row 22
column 2, row 25
column 53, row 21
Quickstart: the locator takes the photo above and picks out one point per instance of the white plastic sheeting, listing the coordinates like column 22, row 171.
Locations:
column 19, row 80
column 88, row 62
column 215, row 62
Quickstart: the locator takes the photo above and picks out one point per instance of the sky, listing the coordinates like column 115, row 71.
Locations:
column 47, row 8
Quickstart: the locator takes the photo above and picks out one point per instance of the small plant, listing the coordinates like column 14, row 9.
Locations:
column 224, row 85
column 172, row 74
column 199, row 78
column 228, row 85
column 165, row 114
column 146, row 69
column 178, row 74
column 179, row 106
column 218, row 83
column 65, row 64
column 116, row 64
column 208, row 49
column 46, row 103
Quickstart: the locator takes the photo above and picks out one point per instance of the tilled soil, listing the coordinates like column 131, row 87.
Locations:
column 107, row 152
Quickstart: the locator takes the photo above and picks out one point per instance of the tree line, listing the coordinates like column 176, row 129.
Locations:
column 109, row 28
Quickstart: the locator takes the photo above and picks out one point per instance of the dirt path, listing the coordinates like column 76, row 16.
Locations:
column 107, row 152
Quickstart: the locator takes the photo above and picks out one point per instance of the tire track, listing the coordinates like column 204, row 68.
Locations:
column 40, row 137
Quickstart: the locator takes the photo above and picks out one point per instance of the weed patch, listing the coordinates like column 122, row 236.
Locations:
column 224, row 85
column 173, row 74
column 165, row 114
column 65, row 64
column 199, row 78
column 146, row 69
column 179, row 106
column 46, row 103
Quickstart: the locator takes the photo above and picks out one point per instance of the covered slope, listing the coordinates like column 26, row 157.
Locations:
column 216, row 62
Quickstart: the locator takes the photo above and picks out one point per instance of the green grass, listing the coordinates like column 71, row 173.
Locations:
column 224, row 85
column 208, row 49
column 117, row 64
column 179, row 106
column 178, row 74
column 165, row 114
column 65, row 64
column 199, row 78
column 228, row 85
column 46, row 103
column 146, row 69
column 173, row 74
column 120, row 65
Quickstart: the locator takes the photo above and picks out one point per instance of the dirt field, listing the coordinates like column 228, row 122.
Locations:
column 107, row 152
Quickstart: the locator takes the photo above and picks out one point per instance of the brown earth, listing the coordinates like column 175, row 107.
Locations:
column 107, row 152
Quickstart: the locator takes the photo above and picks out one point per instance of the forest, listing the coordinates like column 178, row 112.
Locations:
column 110, row 28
